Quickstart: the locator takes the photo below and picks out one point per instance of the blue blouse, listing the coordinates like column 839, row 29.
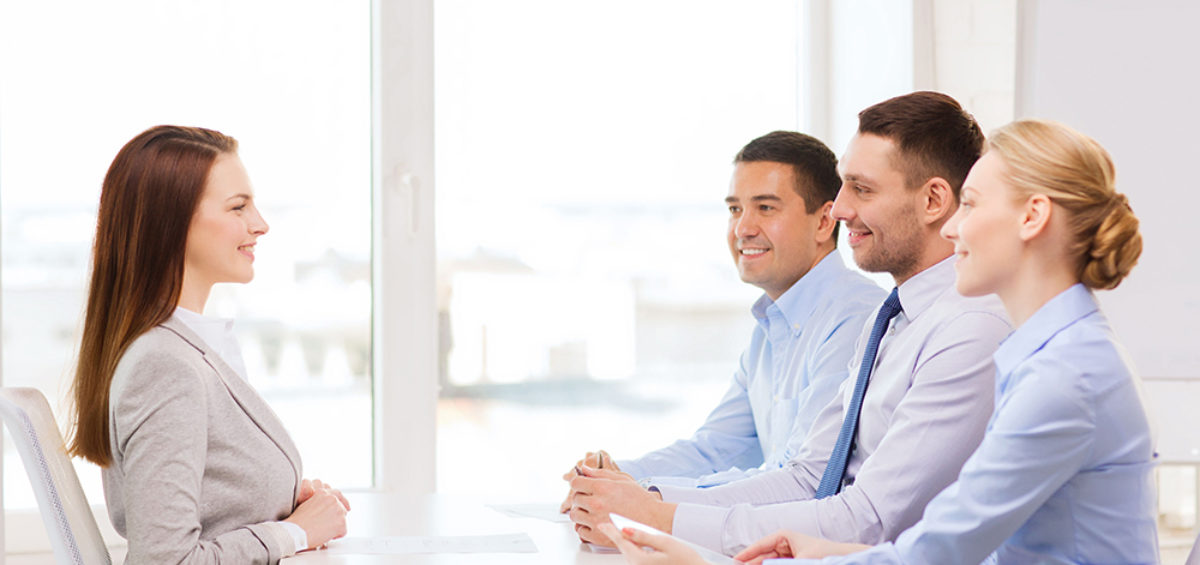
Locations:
column 1064, row 472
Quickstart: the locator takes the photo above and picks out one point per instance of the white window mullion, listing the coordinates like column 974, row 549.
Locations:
column 405, row 344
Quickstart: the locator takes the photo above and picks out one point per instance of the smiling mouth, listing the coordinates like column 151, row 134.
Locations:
column 855, row 237
column 752, row 251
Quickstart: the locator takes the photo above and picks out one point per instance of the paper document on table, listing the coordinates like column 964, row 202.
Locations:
column 548, row 512
column 622, row 522
column 600, row 548
column 401, row 545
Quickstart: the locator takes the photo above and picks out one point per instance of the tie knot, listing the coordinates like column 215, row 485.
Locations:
column 891, row 306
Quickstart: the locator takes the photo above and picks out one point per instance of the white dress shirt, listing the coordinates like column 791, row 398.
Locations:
column 925, row 409
column 218, row 334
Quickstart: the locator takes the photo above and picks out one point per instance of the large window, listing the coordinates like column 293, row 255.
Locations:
column 587, row 298
column 292, row 82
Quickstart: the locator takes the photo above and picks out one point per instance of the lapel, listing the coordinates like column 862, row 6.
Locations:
column 244, row 395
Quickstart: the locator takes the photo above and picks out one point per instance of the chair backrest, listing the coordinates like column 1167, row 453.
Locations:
column 64, row 508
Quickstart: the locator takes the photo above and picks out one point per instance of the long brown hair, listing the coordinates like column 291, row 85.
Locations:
column 146, row 205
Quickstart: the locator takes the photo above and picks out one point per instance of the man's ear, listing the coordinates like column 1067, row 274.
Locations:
column 1035, row 216
column 938, row 202
column 827, row 223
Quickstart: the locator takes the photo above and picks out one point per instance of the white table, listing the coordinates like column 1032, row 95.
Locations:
column 376, row 515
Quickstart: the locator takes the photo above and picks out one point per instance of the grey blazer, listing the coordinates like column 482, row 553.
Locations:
column 201, row 465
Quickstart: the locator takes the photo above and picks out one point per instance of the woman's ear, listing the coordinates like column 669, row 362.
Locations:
column 937, row 200
column 1035, row 216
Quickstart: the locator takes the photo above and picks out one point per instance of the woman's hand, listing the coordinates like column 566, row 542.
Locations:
column 784, row 544
column 310, row 486
column 665, row 550
column 320, row 512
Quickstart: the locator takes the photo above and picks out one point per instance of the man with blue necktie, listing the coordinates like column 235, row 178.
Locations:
column 783, row 241
column 922, row 380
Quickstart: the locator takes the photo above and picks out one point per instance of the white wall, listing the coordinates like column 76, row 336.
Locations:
column 974, row 56
column 1125, row 73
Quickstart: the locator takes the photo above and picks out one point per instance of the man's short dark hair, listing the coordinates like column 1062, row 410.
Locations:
column 813, row 165
column 934, row 136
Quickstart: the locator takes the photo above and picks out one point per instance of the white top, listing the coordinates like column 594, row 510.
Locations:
column 218, row 334
column 924, row 413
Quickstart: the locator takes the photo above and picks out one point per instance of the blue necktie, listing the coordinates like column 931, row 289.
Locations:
column 831, row 481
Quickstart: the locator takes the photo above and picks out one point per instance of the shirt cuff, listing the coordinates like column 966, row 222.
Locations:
column 672, row 493
column 299, row 537
column 701, row 525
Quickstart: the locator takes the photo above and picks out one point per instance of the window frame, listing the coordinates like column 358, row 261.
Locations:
column 404, row 306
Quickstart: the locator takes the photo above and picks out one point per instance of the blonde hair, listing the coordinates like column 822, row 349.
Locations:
column 1075, row 172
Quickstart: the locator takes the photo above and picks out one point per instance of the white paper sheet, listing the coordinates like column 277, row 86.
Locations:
column 548, row 512
column 401, row 545
column 600, row 548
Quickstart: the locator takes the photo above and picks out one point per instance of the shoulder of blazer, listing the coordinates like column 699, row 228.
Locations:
column 161, row 348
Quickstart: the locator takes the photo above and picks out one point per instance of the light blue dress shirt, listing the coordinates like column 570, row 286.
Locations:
column 797, row 359
column 1064, row 472
column 924, row 414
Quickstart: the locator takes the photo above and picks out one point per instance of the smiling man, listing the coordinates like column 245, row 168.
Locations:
column 922, row 386
column 782, row 240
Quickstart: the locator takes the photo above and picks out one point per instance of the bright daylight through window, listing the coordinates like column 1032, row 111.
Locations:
column 587, row 298
column 293, row 86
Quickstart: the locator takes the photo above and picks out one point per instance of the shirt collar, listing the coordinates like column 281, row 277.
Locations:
column 920, row 291
column 1054, row 316
column 209, row 328
column 797, row 303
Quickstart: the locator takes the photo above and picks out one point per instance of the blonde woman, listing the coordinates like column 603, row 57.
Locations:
column 1064, row 472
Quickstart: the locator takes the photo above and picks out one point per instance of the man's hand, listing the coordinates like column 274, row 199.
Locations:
column 784, row 544
column 594, row 459
column 596, row 492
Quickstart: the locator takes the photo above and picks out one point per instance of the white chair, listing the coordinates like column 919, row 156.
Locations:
column 64, row 508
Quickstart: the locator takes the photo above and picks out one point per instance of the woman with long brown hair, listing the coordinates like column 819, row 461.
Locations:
column 196, row 467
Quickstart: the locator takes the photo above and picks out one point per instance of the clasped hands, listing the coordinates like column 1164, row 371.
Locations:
column 598, row 486
column 320, row 512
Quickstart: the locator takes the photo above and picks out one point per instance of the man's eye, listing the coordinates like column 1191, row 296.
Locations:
column 765, row 207
column 734, row 209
